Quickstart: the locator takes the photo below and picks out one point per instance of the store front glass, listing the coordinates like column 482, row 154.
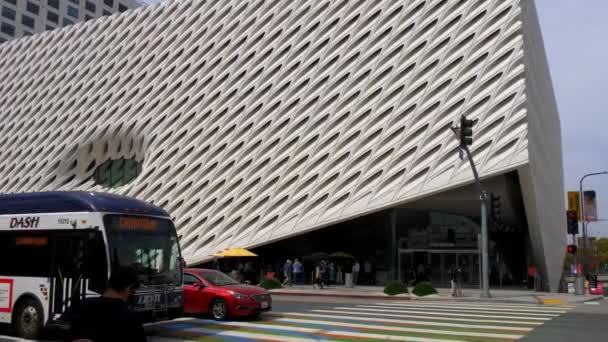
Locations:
column 431, row 243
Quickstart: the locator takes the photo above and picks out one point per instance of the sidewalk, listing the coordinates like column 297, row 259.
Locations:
column 376, row 292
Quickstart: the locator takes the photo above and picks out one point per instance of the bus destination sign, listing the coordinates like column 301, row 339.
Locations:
column 137, row 223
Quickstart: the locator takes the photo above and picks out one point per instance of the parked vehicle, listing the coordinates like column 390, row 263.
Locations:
column 213, row 292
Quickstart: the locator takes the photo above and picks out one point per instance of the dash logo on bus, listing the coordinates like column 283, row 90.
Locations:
column 25, row 222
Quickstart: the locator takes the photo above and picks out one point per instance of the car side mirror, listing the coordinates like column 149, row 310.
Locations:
column 199, row 285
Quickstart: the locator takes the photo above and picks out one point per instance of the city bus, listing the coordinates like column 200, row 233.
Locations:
column 57, row 248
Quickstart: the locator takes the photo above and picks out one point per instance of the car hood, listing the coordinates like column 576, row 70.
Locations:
column 245, row 289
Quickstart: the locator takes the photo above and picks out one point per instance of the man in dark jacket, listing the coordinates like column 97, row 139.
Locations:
column 108, row 318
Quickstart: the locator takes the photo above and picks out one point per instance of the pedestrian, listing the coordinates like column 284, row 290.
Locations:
column 287, row 273
column 332, row 273
column 531, row 276
column 318, row 282
column 452, row 275
column 459, row 276
column 298, row 272
column 356, row 268
column 108, row 318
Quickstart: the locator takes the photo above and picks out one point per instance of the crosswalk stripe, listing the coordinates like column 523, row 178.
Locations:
column 258, row 326
column 488, row 305
column 370, row 312
column 398, row 329
column 467, row 307
column 402, row 321
column 455, row 313
column 339, row 333
column 488, row 311
column 244, row 334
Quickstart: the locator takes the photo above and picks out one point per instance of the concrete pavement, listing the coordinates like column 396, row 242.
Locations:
column 376, row 292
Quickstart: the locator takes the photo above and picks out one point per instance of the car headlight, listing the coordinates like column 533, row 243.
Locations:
column 239, row 296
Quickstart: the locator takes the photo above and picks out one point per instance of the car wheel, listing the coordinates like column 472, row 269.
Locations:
column 28, row 319
column 219, row 310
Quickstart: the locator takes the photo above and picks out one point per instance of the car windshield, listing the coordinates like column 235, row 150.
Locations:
column 148, row 245
column 217, row 278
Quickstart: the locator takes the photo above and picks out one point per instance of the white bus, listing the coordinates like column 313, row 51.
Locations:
column 57, row 248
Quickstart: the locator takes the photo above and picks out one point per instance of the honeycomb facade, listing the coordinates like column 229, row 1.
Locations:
column 259, row 120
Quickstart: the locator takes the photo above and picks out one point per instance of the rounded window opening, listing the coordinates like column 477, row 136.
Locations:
column 114, row 173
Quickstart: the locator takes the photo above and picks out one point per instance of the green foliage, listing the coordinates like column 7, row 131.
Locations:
column 424, row 289
column 394, row 288
column 270, row 283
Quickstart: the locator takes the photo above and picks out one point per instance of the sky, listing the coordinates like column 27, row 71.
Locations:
column 574, row 34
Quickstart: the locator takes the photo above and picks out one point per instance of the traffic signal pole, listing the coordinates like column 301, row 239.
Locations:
column 464, row 135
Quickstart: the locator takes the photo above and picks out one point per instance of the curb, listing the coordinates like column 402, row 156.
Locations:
column 306, row 294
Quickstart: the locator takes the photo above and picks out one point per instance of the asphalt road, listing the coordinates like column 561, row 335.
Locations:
column 314, row 319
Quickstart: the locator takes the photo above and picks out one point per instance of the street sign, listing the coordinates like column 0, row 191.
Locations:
column 461, row 153
column 574, row 203
column 590, row 206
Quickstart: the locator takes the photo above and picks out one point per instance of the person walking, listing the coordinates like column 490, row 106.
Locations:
column 356, row 268
column 318, row 282
column 332, row 273
column 459, row 276
column 298, row 272
column 287, row 273
column 108, row 318
column 452, row 276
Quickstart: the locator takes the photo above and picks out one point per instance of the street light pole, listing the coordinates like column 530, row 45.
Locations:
column 584, row 217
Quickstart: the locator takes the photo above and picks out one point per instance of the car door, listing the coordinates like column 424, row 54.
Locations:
column 192, row 294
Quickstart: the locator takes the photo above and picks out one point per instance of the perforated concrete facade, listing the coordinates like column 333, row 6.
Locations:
column 259, row 120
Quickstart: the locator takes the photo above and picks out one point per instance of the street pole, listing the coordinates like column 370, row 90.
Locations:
column 584, row 219
column 485, row 259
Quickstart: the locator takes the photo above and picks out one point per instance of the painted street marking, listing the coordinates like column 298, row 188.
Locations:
column 484, row 310
column 457, row 313
column 403, row 321
column 497, row 307
column 374, row 312
column 398, row 329
column 386, row 337
column 243, row 334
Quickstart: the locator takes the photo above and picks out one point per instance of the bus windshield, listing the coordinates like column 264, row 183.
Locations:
column 148, row 245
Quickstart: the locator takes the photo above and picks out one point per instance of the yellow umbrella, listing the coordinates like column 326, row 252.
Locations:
column 235, row 252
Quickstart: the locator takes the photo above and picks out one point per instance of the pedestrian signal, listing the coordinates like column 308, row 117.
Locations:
column 572, row 221
column 571, row 249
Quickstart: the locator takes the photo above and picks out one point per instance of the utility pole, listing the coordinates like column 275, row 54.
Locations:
column 465, row 137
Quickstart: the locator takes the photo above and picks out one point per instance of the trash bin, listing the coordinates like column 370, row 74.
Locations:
column 348, row 280
column 580, row 285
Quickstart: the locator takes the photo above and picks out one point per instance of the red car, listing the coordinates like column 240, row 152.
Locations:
column 213, row 292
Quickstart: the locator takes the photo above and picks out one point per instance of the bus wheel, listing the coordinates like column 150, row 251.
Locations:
column 219, row 310
column 28, row 319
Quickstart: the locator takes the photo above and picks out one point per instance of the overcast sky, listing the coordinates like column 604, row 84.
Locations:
column 575, row 32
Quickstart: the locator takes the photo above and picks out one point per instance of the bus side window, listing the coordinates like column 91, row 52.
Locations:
column 24, row 254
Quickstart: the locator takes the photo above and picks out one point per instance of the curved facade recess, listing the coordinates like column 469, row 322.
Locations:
column 261, row 120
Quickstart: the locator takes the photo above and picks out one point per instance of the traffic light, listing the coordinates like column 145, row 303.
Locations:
column 571, row 249
column 495, row 210
column 572, row 222
column 466, row 131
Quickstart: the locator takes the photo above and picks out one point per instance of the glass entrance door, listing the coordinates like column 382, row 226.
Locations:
column 436, row 264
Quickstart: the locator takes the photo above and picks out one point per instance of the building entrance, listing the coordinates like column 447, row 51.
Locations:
column 433, row 265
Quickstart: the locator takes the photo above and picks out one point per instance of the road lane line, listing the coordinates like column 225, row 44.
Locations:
column 398, row 329
column 250, row 335
column 339, row 333
column 453, row 313
column 489, row 309
column 370, row 312
column 410, row 322
column 485, row 311
column 486, row 304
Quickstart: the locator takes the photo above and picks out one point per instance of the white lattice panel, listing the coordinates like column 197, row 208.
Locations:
column 257, row 120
